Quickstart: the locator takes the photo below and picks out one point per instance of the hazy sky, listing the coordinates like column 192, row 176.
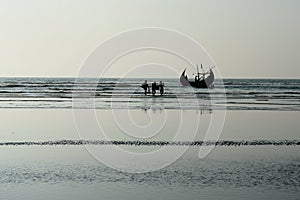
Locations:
column 258, row 38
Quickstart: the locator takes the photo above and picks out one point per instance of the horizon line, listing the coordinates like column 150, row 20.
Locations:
column 115, row 77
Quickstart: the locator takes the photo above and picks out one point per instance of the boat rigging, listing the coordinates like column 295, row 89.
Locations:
column 202, row 79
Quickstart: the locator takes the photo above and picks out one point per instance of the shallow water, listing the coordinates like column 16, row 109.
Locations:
column 46, row 152
column 68, row 171
column 276, row 173
column 227, row 173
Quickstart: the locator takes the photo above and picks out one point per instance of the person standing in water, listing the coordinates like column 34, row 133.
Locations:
column 161, row 87
column 145, row 86
column 154, row 86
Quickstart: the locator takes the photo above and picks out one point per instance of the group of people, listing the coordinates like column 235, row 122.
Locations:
column 154, row 87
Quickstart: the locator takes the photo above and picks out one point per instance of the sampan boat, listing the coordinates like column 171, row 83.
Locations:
column 202, row 80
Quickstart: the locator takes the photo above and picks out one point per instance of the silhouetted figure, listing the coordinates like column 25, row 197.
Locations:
column 161, row 87
column 154, row 86
column 145, row 86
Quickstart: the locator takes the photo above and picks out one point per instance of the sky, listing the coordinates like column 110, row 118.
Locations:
column 246, row 39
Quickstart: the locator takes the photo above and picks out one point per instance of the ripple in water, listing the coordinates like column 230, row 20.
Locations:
column 242, row 94
column 190, row 173
column 155, row 143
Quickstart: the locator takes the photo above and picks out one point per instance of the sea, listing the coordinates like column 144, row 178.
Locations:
column 110, row 93
column 68, row 138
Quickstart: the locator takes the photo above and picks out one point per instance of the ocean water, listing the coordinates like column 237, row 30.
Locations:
column 227, row 173
column 107, row 93
column 45, row 155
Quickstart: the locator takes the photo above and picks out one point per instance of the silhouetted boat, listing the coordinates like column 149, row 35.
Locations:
column 202, row 80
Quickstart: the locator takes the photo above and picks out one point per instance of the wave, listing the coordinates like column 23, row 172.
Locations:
column 155, row 143
column 260, row 174
column 243, row 94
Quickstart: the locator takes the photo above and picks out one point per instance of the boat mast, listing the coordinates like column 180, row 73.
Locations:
column 198, row 73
